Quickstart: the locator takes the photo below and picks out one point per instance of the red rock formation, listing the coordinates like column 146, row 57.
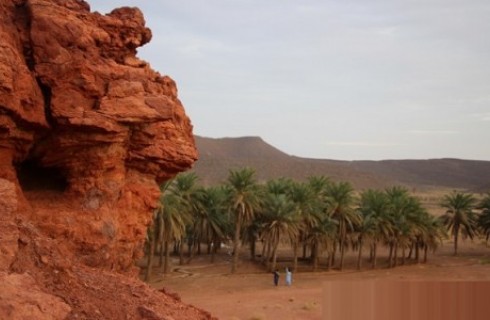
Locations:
column 87, row 131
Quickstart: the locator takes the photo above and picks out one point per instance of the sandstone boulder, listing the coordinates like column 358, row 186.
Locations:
column 88, row 131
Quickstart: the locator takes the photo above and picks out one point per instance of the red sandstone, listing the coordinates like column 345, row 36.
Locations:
column 87, row 131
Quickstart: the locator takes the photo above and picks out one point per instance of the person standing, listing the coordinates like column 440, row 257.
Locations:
column 276, row 278
column 289, row 277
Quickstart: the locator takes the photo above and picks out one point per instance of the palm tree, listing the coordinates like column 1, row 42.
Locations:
column 173, row 221
column 244, row 201
column 340, row 200
column 314, row 195
column 322, row 237
column 433, row 235
column 307, row 210
column 155, row 233
column 185, row 188
column 159, row 220
column 150, row 243
column 406, row 214
column 377, row 223
column 214, row 222
column 459, row 216
column 422, row 229
column 319, row 185
column 279, row 221
column 366, row 230
column 484, row 218
column 278, row 186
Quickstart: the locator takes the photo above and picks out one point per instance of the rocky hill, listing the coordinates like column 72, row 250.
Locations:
column 87, row 130
column 217, row 156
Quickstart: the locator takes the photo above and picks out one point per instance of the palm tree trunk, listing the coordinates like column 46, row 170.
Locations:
column 274, row 255
column 417, row 252
column 252, row 249
column 302, row 236
column 236, row 240
column 391, row 254
column 149, row 262
column 403, row 255
column 268, row 255
column 342, row 248
column 214, row 246
column 295, row 258
column 456, row 233
column 329, row 260
column 193, row 251
column 264, row 251
column 411, row 250
column 395, row 260
column 162, row 253
column 359, row 257
column 160, row 238
column 314, row 252
column 425, row 253
column 189, row 247
column 167, row 258
column 375, row 247
column 181, row 252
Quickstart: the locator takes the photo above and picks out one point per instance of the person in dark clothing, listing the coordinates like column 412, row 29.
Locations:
column 276, row 278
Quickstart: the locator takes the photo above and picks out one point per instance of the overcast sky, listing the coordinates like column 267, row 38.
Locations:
column 347, row 80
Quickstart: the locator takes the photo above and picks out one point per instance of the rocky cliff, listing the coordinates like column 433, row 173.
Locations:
column 87, row 131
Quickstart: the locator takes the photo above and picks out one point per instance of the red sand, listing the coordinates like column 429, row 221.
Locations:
column 250, row 294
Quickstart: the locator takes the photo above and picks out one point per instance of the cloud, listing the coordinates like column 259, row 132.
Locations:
column 381, row 74
column 484, row 117
column 433, row 132
column 365, row 144
column 481, row 116
column 199, row 46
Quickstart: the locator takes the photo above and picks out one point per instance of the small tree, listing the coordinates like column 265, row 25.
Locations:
column 459, row 216
column 244, row 200
column 484, row 218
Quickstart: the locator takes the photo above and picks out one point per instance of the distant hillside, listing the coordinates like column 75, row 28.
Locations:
column 218, row 156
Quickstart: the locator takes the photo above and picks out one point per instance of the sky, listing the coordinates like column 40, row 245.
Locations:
column 346, row 80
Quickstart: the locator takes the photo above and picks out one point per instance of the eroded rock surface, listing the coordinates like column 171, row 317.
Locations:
column 87, row 132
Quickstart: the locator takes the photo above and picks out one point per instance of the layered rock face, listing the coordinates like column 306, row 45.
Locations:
column 87, row 132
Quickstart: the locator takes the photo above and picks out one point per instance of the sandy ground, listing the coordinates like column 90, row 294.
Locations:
column 251, row 295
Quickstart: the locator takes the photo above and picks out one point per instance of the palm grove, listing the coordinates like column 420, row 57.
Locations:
column 320, row 220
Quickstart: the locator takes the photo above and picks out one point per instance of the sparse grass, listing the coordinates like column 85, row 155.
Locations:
column 485, row 261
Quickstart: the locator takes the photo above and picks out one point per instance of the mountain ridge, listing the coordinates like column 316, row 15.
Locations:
column 218, row 155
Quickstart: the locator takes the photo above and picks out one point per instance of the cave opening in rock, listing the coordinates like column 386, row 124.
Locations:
column 34, row 177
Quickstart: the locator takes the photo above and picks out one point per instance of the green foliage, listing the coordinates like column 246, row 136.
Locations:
column 319, row 214
column 484, row 218
column 460, row 216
